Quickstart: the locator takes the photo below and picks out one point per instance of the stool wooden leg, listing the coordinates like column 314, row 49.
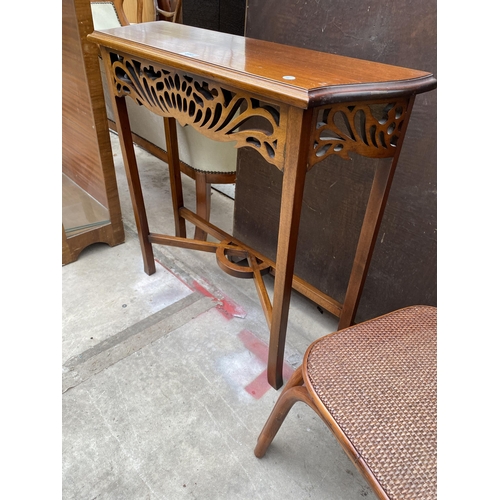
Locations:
column 175, row 174
column 292, row 392
column 203, row 193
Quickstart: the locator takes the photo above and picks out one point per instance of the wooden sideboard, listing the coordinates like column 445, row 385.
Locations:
column 91, row 209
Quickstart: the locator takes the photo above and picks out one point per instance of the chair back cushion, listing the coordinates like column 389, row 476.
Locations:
column 104, row 15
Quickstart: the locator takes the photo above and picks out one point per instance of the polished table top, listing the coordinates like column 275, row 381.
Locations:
column 293, row 75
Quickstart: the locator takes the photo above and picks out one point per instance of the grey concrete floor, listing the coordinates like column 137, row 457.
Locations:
column 164, row 390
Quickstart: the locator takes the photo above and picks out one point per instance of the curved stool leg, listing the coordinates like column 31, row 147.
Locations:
column 293, row 391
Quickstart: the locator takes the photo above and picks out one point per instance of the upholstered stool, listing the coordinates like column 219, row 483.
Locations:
column 374, row 385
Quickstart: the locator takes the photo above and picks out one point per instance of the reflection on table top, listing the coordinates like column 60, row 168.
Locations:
column 260, row 65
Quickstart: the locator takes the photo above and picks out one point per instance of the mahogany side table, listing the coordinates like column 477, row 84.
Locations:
column 294, row 106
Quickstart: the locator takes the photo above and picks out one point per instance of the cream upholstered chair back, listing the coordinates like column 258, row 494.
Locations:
column 204, row 160
column 197, row 151
column 110, row 14
column 104, row 15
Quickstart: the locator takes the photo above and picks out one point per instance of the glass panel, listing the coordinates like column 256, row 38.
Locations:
column 80, row 212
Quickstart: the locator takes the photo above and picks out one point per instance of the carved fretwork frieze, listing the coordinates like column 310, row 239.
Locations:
column 220, row 113
column 370, row 129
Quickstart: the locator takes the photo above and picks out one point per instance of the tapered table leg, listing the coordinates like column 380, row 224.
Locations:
column 134, row 183
column 377, row 201
column 294, row 173
column 366, row 245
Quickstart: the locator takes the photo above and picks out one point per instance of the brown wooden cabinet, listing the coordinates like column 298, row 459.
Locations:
column 91, row 208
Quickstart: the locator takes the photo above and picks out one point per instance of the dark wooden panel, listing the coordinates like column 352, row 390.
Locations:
column 227, row 16
column 202, row 14
column 403, row 270
column 232, row 16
